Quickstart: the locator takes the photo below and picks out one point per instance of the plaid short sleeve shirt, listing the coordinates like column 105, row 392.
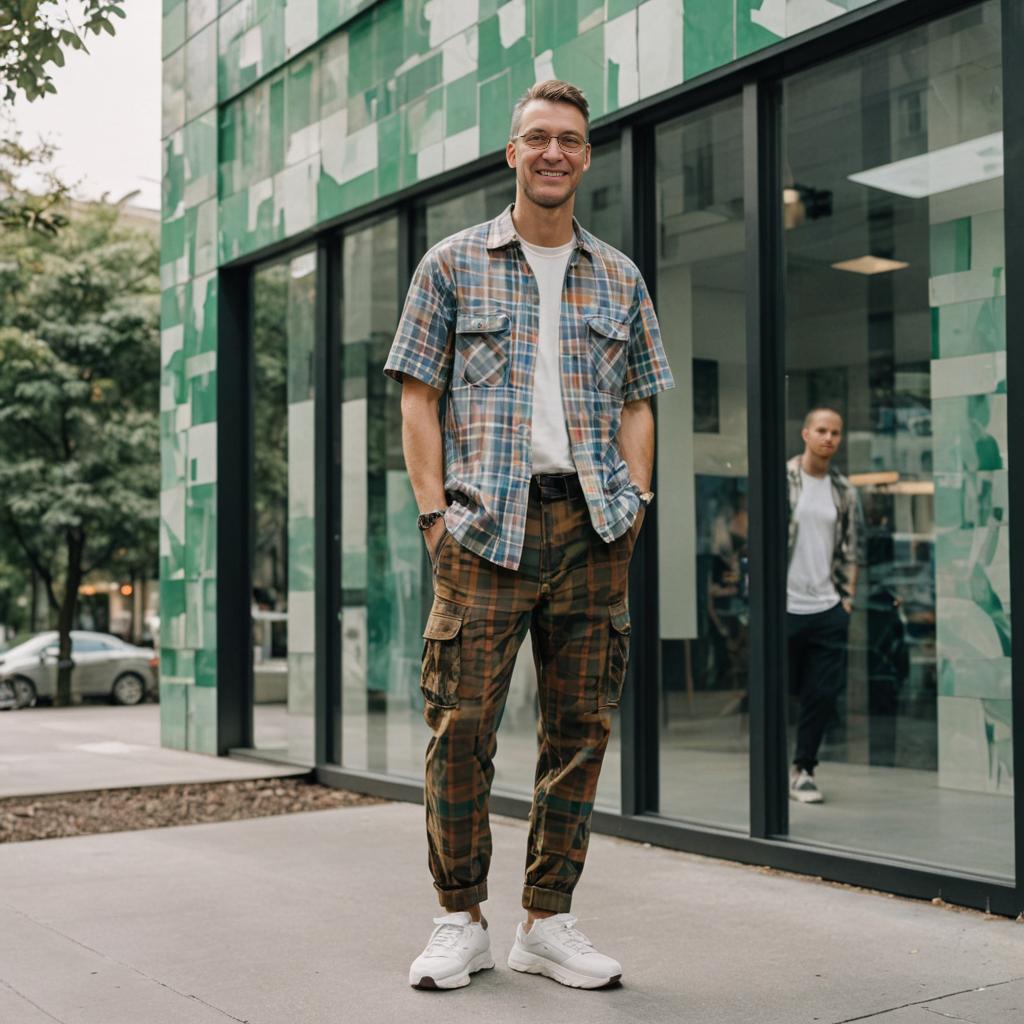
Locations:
column 470, row 327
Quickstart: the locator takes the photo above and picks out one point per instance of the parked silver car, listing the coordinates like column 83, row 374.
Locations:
column 8, row 701
column 104, row 666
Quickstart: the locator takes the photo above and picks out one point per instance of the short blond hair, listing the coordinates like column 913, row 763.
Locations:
column 554, row 90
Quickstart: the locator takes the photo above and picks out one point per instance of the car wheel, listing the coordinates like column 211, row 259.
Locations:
column 24, row 692
column 128, row 689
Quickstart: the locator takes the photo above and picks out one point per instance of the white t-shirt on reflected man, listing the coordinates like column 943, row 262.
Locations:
column 809, row 586
column 552, row 452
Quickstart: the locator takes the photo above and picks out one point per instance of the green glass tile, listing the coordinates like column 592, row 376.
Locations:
column 418, row 79
column 333, row 56
column 520, row 77
column 751, row 36
column 491, row 54
column 581, row 62
column 231, row 230
column 389, row 135
column 555, row 24
column 172, row 240
column 200, row 159
column 273, row 36
column 495, row 104
column 424, row 121
column 277, row 125
column 200, row 530
column 173, row 713
column 359, row 191
column 950, row 247
column 707, row 36
column 200, row 14
column 460, row 99
column 206, row 667
column 303, row 99
column 415, row 27
column 201, row 732
column 204, row 398
column 201, row 72
column 173, row 184
column 173, row 29
column 173, row 101
column 362, row 40
column 172, row 598
column 390, row 43
column 616, row 7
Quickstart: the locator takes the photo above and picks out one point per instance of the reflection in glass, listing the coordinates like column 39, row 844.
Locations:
column 702, row 469
column 284, row 298
column 381, row 549
column 895, row 318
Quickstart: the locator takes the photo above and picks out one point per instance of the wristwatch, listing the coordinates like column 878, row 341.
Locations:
column 646, row 497
column 425, row 520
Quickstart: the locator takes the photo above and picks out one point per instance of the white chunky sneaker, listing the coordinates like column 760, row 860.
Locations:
column 804, row 789
column 458, row 947
column 556, row 948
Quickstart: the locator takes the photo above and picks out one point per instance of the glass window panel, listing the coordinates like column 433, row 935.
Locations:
column 284, row 304
column 382, row 561
column 702, row 469
column 894, row 294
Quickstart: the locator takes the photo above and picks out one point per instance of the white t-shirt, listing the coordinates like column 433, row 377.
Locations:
column 551, row 450
column 809, row 586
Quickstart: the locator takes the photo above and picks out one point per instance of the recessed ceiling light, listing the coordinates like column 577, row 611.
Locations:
column 870, row 265
column 966, row 163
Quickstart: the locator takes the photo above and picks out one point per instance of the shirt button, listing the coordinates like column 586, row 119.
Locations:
column 478, row 323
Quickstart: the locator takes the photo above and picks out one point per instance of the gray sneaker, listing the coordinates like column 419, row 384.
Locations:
column 804, row 789
column 556, row 948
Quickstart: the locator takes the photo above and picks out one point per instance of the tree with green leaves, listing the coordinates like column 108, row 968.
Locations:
column 35, row 35
column 79, row 382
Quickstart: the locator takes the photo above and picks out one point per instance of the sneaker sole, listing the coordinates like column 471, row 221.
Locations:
column 481, row 962
column 529, row 963
column 806, row 798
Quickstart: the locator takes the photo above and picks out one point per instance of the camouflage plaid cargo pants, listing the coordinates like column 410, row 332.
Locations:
column 570, row 593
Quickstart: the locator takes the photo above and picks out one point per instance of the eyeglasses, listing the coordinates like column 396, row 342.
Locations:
column 571, row 143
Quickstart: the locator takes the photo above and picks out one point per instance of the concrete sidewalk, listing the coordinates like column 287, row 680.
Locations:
column 94, row 746
column 314, row 918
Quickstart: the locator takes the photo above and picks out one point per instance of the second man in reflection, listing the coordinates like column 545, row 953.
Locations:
column 825, row 537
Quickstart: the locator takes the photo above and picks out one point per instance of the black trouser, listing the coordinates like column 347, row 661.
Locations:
column 817, row 673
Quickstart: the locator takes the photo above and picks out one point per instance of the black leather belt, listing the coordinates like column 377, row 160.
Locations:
column 557, row 488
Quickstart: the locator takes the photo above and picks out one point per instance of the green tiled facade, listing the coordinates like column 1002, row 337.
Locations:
column 281, row 114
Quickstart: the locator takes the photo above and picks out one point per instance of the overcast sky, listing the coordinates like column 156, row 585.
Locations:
column 105, row 117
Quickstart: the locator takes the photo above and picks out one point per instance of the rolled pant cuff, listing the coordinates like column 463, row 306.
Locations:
column 546, row 899
column 461, row 899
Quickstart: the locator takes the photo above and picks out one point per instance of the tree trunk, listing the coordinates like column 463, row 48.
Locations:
column 66, row 619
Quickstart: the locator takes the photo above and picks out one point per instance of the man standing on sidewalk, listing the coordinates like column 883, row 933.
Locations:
column 825, row 535
column 544, row 344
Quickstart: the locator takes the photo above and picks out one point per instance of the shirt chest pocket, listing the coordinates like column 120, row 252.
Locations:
column 608, row 341
column 482, row 343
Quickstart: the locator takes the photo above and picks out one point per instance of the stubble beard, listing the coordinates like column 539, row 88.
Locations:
column 547, row 202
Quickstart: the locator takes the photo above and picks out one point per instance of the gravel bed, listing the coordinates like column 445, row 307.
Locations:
column 125, row 810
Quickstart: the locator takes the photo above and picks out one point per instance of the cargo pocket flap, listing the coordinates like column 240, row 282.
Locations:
column 609, row 328
column 619, row 615
column 444, row 622
column 482, row 323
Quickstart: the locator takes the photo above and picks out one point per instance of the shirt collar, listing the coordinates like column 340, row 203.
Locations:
column 502, row 233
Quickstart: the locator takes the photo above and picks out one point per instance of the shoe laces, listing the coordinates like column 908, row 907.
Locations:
column 445, row 937
column 572, row 938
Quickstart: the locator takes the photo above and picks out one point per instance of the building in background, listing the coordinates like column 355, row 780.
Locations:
column 814, row 192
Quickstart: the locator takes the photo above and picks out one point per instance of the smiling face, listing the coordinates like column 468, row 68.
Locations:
column 548, row 177
column 823, row 433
